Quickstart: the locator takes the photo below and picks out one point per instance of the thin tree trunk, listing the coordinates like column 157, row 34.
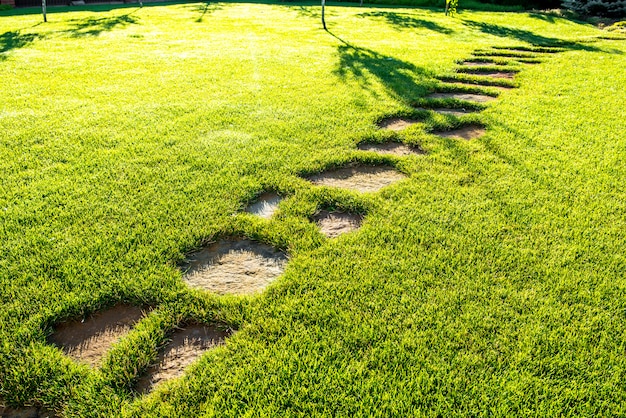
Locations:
column 43, row 10
column 447, row 6
column 323, row 20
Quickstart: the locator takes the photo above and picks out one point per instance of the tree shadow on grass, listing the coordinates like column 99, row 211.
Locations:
column 531, row 37
column 206, row 8
column 95, row 26
column 396, row 76
column 14, row 40
column 406, row 21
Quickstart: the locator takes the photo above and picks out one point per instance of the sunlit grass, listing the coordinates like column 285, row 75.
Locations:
column 490, row 283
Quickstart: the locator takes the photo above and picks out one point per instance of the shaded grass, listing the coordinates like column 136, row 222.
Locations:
column 488, row 283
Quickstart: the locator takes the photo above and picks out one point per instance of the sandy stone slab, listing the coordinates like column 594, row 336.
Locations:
column 491, row 86
column 359, row 178
column 391, row 148
column 450, row 111
column 397, row 124
column 265, row 205
column 333, row 224
column 88, row 340
column 24, row 412
column 466, row 132
column 232, row 266
column 496, row 74
column 186, row 346
column 474, row 63
column 469, row 97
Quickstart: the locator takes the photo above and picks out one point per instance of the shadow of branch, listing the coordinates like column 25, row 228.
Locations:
column 406, row 21
column 399, row 78
column 206, row 8
column 532, row 38
column 14, row 40
column 95, row 26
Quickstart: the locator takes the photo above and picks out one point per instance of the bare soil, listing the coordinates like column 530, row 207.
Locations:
column 233, row 266
column 396, row 124
column 265, row 205
column 466, row 132
column 186, row 346
column 480, row 98
column 88, row 340
column 393, row 148
column 359, row 178
column 333, row 224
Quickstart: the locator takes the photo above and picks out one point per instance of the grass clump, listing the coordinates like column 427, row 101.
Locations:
column 489, row 282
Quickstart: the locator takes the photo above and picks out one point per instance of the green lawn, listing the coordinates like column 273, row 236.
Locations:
column 491, row 282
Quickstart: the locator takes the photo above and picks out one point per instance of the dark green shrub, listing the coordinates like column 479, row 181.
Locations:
column 606, row 8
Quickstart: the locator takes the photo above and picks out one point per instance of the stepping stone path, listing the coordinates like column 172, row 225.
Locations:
column 496, row 74
column 480, row 63
column 234, row 266
column 24, row 412
column 450, row 111
column 478, row 84
column 484, row 58
column 466, row 132
column 391, row 148
column 265, row 205
column 469, row 97
column 397, row 124
column 240, row 266
column 86, row 341
column 360, row 178
column 333, row 224
column 186, row 346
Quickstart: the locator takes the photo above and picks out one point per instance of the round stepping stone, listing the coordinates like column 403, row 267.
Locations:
column 480, row 63
column 88, row 340
column 496, row 74
column 466, row 132
column 392, row 148
column 333, row 224
column 265, row 205
column 232, row 266
column 186, row 346
column 359, row 178
column 491, row 86
column 469, row 97
column 24, row 412
column 397, row 124
column 475, row 63
column 454, row 112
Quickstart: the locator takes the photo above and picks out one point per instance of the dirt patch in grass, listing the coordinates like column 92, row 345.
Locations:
column 186, row 346
column 234, row 266
column 333, row 224
column 466, row 132
column 359, row 178
column 469, row 97
column 88, row 340
column 396, row 124
column 265, row 205
column 392, row 148
column 24, row 412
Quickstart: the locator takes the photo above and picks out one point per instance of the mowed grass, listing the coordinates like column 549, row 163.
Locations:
column 491, row 282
